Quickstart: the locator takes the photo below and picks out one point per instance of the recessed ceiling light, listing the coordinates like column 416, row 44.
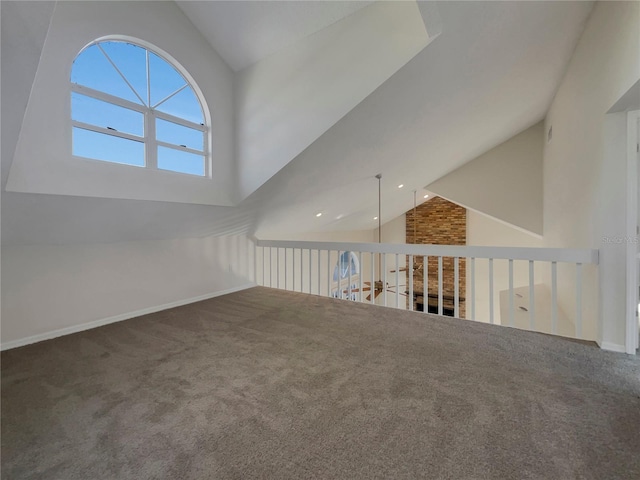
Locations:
column 401, row 185
column 375, row 218
column 426, row 196
column 319, row 214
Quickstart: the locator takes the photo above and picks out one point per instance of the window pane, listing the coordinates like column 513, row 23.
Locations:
column 163, row 78
column 180, row 161
column 92, row 69
column 178, row 135
column 107, row 115
column 108, row 148
column 131, row 60
column 183, row 105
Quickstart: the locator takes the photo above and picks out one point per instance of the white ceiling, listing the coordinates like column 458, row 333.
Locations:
column 245, row 32
column 491, row 74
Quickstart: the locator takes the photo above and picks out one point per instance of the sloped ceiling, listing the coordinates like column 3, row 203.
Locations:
column 504, row 183
column 288, row 100
column 244, row 33
column 491, row 74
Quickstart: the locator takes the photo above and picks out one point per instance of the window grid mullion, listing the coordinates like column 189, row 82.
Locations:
column 120, row 72
column 180, row 148
column 148, row 78
column 105, row 97
column 115, row 133
column 151, row 146
column 207, row 155
column 170, row 95
column 180, row 121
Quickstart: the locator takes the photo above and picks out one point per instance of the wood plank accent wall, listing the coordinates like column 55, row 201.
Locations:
column 439, row 222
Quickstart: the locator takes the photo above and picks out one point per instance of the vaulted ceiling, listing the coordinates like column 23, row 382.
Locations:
column 491, row 73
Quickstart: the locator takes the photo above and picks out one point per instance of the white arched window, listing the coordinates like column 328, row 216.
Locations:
column 130, row 105
column 346, row 276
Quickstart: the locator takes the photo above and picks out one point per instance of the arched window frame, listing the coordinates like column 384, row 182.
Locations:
column 149, row 139
column 347, row 266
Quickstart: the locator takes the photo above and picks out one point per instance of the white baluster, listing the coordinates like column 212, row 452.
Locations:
column 512, row 310
column 319, row 280
column 410, row 272
column 532, row 299
column 360, row 275
column 425, row 284
column 384, row 279
column 491, row 319
column 309, row 271
column 440, row 286
column 397, row 282
column 578, row 300
column 554, row 297
column 328, row 273
column 473, row 288
column 349, row 279
column 372, row 291
column 456, row 288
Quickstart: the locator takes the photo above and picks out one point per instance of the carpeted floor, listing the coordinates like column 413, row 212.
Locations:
column 279, row 385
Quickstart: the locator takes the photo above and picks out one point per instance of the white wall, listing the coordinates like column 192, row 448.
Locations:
column 393, row 231
column 585, row 163
column 46, row 288
column 486, row 231
column 505, row 182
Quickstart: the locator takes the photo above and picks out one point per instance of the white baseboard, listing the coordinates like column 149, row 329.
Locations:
column 613, row 347
column 117, row 318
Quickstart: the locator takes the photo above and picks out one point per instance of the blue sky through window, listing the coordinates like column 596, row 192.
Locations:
column 132, row 62
column 92, row 69
column 165, row 79
column 108, row 148
column 178, row 135
column 107, row 115
column 185, row 105
column 190, row 163
column 104, row 67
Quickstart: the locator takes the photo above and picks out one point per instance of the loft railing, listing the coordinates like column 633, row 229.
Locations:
column 374, row 273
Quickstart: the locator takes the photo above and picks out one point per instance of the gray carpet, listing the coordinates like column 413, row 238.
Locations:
column 279, row 385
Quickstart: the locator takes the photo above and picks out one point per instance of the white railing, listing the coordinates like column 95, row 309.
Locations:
column 349, row 270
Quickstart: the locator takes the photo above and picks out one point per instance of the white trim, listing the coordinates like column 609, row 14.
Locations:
column 120, row 72
column 613, row 347
column 180, row 148
column 631, row 334
column 180, row 121
column 585, row 256
column 499, row 220
column 107, row 98
column 117, row 318
column 106, row 131
column 170, row 96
